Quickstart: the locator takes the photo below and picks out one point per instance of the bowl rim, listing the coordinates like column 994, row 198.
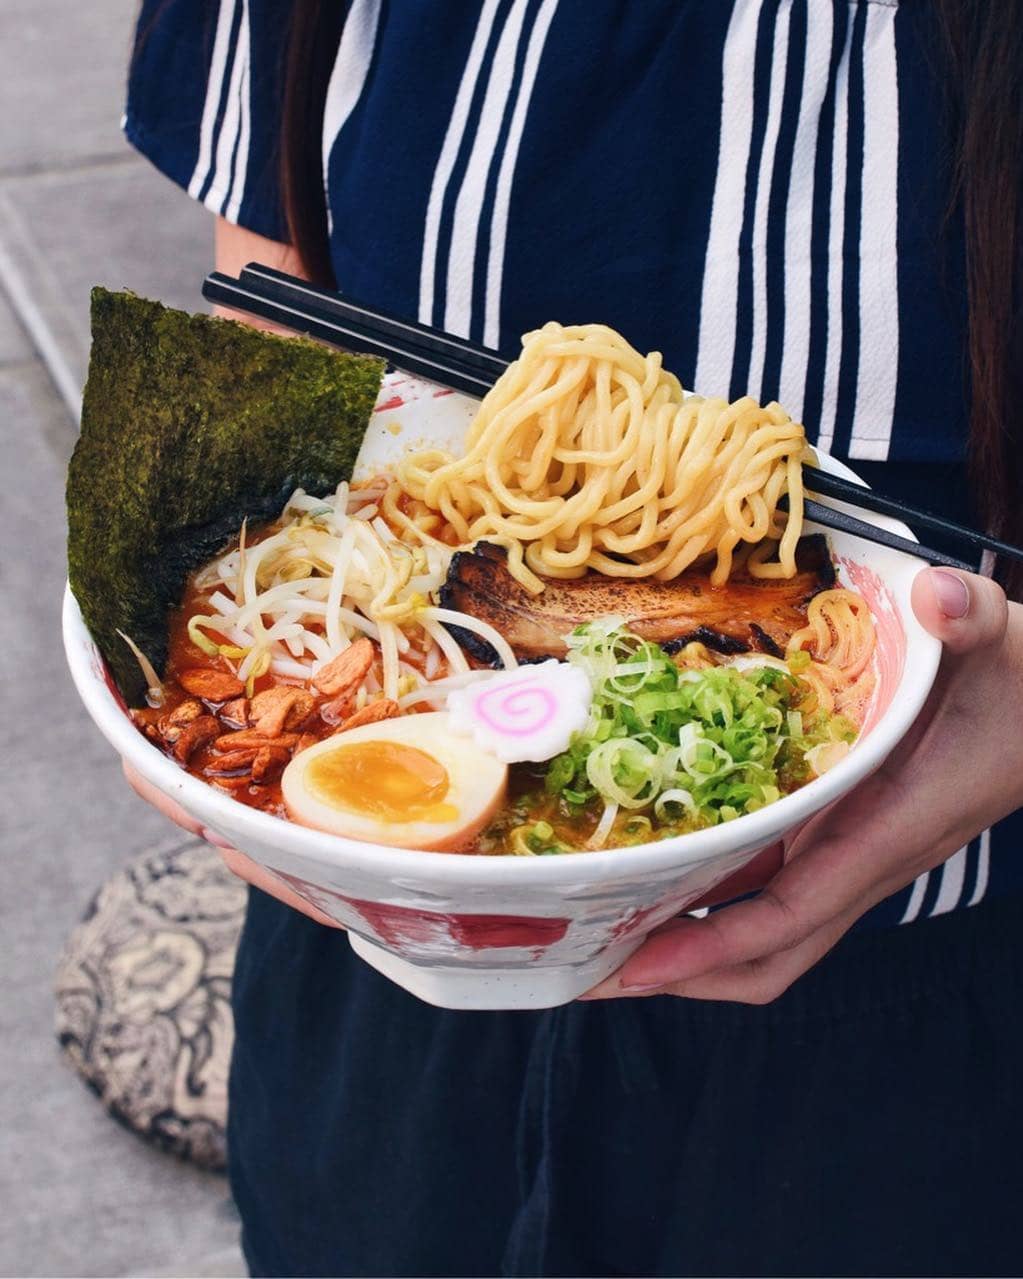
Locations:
column 338, row 851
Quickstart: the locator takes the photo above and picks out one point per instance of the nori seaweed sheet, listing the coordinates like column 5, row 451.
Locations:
column 190, row 424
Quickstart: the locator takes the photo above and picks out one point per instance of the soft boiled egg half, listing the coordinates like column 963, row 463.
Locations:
column 407, row 782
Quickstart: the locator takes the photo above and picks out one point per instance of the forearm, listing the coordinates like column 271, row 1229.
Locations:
column 235, row 248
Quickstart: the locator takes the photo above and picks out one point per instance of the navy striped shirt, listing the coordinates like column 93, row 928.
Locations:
column 755, row 188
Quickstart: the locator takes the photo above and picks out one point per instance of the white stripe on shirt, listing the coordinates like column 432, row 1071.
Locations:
column 953, row 873
column 469, row 205
column 448, row 155
column 916, row 898
column 348, row 78
column 222, row 53
column 506, row 174
column 879, row 273
column 220, row 186
column 241, row 165
column 721, row 272
column 836, row 246
column 820, row 25
column 983, row 869
column 779, row 64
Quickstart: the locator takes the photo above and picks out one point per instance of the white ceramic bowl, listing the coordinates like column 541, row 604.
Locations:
column 512, row 932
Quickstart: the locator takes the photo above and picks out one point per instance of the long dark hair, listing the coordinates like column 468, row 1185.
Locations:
column 312, row 46
column 980, row 62
column 983, row 49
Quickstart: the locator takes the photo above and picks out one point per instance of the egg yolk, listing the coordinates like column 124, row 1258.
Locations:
column 385, row 780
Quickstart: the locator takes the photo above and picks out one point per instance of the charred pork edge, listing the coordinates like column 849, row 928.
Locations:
column 764, row 642
column 710, row 638
column 815, row 547
column 476, row 647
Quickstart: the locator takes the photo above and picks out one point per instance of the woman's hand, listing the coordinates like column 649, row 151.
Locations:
column 244, row 867
column 958, row 770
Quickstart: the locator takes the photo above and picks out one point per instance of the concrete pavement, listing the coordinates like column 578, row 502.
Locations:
column 81, row 1196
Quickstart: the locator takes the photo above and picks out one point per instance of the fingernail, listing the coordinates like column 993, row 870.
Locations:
column 640, row 986
column 951, row 592
column 211, row 837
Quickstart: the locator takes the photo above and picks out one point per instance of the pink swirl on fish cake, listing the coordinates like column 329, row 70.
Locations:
column 499, row 707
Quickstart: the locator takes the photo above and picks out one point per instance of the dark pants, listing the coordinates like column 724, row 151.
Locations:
column 869, row 1122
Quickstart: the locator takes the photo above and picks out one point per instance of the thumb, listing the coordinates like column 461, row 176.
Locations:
column 964, row 611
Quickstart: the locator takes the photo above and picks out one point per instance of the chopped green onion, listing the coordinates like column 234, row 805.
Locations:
column 559, row 774
column 710, row 744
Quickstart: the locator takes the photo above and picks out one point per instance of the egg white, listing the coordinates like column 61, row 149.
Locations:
column 477, row 784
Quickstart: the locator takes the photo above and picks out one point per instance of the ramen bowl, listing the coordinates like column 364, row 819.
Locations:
column 483, row 932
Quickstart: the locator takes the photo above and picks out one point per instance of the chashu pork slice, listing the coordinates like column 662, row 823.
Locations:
column 743, row 615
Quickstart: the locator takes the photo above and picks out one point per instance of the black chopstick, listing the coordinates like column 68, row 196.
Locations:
column 823, row 482
column 276, row 286
column 844, row 523
column 467, row 366
column 226, row 291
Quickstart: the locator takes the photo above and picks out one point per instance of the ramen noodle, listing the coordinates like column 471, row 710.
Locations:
column 588, row 455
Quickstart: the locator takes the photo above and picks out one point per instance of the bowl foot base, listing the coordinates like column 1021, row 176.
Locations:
column 482, row 989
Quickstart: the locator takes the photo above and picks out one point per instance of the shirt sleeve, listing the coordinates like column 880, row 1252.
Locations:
column 205, row 88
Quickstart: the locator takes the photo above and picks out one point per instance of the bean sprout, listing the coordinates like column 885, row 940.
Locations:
column 333, row 569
